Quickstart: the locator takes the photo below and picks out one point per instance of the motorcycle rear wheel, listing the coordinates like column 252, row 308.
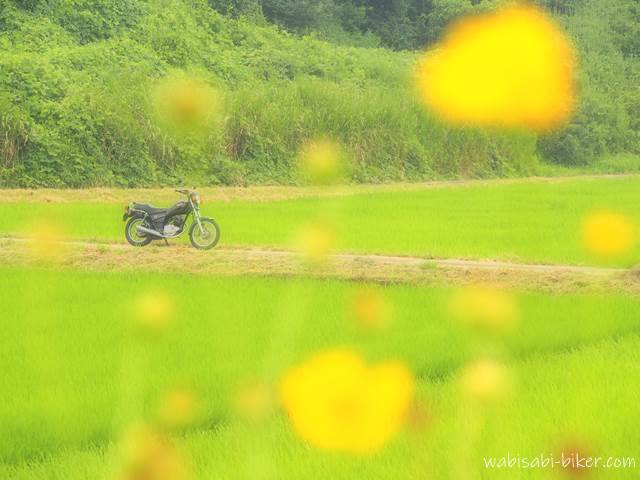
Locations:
column 131, row 232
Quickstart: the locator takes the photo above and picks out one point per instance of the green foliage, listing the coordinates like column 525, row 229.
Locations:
column 434, row 21
column 607, row 37
column 14, row 133
column 91, row 20
column 76, row 109
column 76, row 79
column 239, row 8
column 397, row 24
column 606, row 118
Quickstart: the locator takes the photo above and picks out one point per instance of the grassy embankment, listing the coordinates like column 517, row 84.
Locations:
column 78, row 82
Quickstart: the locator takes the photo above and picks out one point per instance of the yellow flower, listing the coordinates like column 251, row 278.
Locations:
column 179, row 408
column 185, row 105
column 484, row 307
column 315, row 241
column 321, row 161
column 147, row 455
column 571, row 449
column 371, row 308
column 485, row 380
column 510, row 68
column 608, row 234
column 154, row 310
column 45, row 241
column 419, row 417
column 254, row 400
column 335, row 401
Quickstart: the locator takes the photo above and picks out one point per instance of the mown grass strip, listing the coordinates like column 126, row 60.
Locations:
column 100, row 257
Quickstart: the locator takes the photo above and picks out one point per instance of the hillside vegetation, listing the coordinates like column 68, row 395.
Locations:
column 76, row 78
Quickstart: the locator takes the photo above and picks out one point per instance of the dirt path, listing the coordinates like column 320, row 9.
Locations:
column 376, row 268
column 259, row 193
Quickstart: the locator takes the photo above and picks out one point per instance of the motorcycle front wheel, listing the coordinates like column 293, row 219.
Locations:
column 208, row 237
column 131, row 232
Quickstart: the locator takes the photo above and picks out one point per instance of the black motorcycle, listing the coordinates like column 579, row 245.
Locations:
column 147, row 223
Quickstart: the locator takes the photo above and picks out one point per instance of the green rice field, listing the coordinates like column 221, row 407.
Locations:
column 533, row 222
column 78, row 368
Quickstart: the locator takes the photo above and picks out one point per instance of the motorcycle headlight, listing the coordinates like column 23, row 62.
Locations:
column 195, row 198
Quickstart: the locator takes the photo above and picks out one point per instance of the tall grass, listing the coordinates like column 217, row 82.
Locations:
column 77, row 108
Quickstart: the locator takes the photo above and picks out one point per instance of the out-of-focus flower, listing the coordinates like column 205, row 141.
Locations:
column 253, row 400
column 485, row 380
column 315, row 241
column 45, row 241
column 185, row 105
column 147, row 455
column 335, row 401
column 154, row 310
column 370, row 307
column 419, row 418
column 179, row 408
column 322, row 161
column 509, row 68
column 571, row 453
column 484, row 307
column 608, row 234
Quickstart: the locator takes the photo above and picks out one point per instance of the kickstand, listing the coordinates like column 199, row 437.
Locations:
column 166, row 242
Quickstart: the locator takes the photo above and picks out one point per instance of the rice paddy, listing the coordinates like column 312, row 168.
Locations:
column 531, row 221
column 85, row 354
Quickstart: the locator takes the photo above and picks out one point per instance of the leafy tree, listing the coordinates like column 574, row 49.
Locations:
column 239, row 8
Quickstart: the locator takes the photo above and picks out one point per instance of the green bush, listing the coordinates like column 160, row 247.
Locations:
column 76, row 79
column 606, row 117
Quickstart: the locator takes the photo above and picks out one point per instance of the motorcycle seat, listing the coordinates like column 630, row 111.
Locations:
column 150, row 209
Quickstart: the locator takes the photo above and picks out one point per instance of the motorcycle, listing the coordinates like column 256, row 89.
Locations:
column 147, row 223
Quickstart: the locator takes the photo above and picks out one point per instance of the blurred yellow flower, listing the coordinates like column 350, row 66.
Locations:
column 371, row 309
column 184, row 104
column 154, row 310
column 509, row 68
column 572, row 449
column 45, row 241
column 179, row 408
column 608, row 234
column 419, row 417
column 315, row 241
column 335, row 401
column 253, row 400
column 322, row 161
column 485, row 380
column 147, row 455
column 485, row 307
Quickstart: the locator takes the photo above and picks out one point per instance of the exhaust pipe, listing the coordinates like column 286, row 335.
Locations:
column 147, row 231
